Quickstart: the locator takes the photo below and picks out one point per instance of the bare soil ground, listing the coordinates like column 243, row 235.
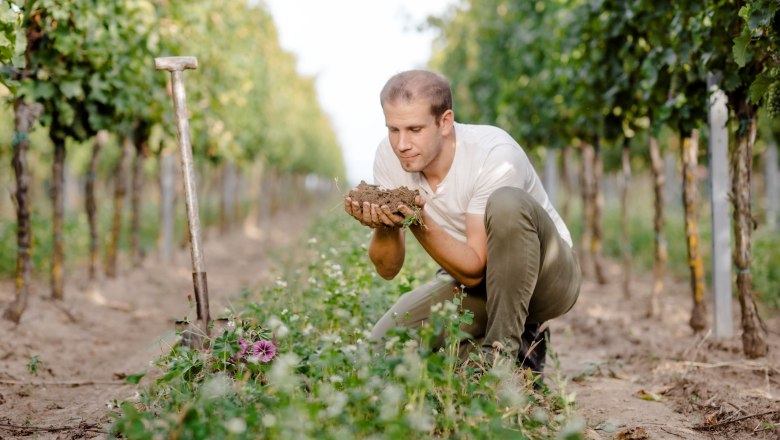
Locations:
column 88, row 343
column 634, row 377
column 653, row 378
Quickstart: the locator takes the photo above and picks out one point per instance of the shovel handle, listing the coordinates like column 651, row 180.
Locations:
column 176, row 66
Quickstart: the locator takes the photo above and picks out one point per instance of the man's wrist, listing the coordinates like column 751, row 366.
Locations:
column 386, row 230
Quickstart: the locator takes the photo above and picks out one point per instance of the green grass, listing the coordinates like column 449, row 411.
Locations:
column 765, row 265
column 327, row 380
column 76, row 234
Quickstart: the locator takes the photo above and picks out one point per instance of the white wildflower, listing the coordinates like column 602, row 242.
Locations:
column 269, row 420
column 274, row 322
column 511, row 395
column 539, row 415
column 236, row 425
column 420, row 421
column 391, row 342
column 391, row 400
column 341, row 313
column 282, row 331
column 572, row 428
column 215, row 387
column 282, row 372
column 336, row 403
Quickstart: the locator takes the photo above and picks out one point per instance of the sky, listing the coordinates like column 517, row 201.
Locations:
column 352, row 47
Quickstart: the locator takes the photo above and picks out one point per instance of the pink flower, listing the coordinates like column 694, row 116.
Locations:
column 244, row 347
column 264, row 350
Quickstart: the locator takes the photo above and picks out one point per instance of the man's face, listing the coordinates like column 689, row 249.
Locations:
column 414, row 135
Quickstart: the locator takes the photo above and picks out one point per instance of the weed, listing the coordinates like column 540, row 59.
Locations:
column 326, row 378
column 33, row 364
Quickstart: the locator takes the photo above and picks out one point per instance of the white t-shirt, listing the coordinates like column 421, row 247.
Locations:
column 486, row 158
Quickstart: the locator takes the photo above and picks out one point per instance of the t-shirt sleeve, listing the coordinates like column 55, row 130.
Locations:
column 505, row 165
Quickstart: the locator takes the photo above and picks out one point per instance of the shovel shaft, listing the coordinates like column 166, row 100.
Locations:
column 181, row 114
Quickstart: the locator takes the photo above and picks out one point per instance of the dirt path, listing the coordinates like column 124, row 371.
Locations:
column 88, row 343
column 634, row 378
column 640, row 378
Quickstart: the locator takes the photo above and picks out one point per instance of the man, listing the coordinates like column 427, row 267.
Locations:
column 486, row 220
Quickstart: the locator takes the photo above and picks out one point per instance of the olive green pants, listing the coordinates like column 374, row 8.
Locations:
column 532, row 275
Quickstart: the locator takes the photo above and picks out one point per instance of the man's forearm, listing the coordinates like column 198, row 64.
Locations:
column 387, row 251
column 455, row 257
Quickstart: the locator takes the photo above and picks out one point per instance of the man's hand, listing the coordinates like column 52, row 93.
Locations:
column 409, row 212
column 373, row 215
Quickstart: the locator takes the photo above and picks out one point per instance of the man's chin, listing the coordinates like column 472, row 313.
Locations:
column 410, row 167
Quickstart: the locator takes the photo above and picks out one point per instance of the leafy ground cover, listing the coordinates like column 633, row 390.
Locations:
column 294, row 361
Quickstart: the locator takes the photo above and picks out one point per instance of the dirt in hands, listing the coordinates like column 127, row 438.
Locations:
column 373, row 194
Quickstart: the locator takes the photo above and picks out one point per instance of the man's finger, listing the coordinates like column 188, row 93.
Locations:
column 367, row 212
column 389, row 218
column 375, row 210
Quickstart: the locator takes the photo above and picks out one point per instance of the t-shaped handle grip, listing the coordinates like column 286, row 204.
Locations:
column 175, row 64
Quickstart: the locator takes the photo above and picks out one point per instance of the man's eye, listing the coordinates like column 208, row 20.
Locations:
column 416, row 130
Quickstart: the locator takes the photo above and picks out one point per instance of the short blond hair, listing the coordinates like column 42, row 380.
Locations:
column 412, row 85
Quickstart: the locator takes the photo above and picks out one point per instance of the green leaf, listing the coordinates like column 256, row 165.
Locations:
column 42, row 90
column 759, row 87
column 740, row 49
column 21, row 45
column 135, row 378
column 744, row 12
column 71, row 89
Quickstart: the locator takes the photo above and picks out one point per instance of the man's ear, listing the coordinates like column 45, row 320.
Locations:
column 447, row 122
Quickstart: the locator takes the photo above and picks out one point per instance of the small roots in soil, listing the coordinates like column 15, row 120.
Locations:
column 373, row 194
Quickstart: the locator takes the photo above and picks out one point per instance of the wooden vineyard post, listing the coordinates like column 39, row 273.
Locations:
column 660, row 246
column 177, row 65
column 91, row 203
column 721, row 227
column 120, row 189
column 690, row 145
column 772, row 183
column 625, row 180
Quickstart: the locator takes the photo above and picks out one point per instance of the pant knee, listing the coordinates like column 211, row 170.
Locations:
column 509, row 208
column 509, row 202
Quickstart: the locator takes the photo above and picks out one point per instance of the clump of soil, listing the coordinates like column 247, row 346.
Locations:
column 365, row 192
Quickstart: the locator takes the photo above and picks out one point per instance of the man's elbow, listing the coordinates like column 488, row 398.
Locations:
column 387, row 274
column 472, row 281
column 386, row 271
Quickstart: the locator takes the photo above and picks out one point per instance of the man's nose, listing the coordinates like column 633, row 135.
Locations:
column 404, row 143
